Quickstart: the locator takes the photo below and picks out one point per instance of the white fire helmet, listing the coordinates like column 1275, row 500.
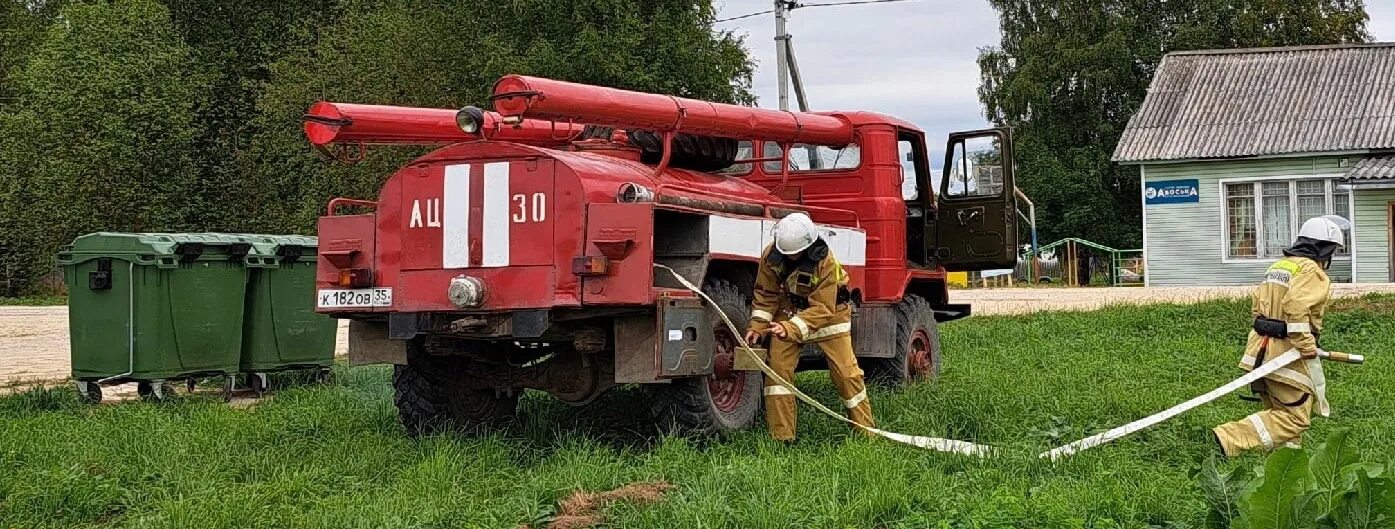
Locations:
column 794, row 233
column 1325, row 228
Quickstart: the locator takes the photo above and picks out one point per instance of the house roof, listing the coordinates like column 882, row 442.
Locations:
column 1264, row 102
column 1377, row 168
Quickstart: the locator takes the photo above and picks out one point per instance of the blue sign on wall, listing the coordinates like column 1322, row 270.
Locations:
column 1171, row 192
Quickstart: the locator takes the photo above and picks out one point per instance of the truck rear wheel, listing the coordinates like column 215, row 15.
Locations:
column 432, row 393
column 725, row 401
column 918, row 347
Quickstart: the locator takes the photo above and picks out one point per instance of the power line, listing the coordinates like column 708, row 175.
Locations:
column 747, row 15
column 796, row 5
column 848, row 3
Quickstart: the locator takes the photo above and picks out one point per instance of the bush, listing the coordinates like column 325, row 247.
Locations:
column 1296, row 489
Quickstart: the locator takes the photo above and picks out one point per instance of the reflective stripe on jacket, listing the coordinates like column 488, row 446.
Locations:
column 823, row 318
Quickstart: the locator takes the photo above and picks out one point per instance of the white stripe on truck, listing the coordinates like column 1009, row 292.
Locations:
column 455, row 217
column 496, row 214
column 749, row 237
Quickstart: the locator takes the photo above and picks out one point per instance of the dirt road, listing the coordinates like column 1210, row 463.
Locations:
column 34, row 344
column 34, row 340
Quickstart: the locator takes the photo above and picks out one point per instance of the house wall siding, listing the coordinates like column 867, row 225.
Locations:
column 1372, row 237
column 1183, row 241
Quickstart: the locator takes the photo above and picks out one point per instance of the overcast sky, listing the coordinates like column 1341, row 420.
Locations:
column 912, row 59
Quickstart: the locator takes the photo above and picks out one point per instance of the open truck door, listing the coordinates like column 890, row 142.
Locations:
column 974, row 226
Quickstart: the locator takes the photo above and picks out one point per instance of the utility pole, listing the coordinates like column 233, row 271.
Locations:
column 788, row 67
column 782, row 52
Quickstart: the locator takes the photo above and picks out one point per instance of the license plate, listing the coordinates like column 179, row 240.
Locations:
column 355, row 298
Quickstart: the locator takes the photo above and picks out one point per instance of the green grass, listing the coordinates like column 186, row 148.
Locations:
column 333, row 456
column 34, row 301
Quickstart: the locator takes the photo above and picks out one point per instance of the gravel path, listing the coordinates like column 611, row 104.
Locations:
column 34, row 340
column 34, row 344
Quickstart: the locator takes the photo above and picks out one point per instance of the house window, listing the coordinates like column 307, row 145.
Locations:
column 1262, row 217
column 1240, row 217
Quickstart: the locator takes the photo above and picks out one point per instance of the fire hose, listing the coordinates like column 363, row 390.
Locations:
column 974, row 449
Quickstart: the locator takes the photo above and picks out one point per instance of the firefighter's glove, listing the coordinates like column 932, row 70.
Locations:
column 1313, row 353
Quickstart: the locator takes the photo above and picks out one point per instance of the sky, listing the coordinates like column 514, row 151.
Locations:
column 913, row 59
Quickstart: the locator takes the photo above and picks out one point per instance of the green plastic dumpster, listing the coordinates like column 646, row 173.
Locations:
column 151, row 308
column 281, row 329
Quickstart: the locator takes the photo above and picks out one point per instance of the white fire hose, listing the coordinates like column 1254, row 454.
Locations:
column 968, row 448
column 932, row 443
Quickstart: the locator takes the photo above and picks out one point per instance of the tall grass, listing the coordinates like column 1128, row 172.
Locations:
column 34, row 301
column 334, row 457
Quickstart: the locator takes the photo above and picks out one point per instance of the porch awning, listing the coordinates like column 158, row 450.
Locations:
column 1372, row 173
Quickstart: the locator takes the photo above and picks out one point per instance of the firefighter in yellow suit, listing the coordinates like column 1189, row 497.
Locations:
column 1288, row 308
column 801, row 297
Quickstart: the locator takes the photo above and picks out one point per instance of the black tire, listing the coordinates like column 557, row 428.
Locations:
column 432, row 394
column 690, row 405
column 690, row 151
column 916, row 330
column 421, row 405
column 324, row 375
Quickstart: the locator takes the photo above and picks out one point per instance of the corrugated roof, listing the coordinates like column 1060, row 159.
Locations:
column 1265, row 101
column 1377, row 168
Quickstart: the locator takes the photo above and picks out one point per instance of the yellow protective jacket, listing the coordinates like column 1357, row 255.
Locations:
column 1295, row 290
column 802, row 295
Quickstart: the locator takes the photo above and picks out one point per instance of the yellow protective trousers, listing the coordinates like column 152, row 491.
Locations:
column 1285, row 418
column 842, row 367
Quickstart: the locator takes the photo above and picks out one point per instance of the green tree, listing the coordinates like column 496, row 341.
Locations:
column 438, row 53
column 22, row 23
column 1068, row 74
column 233, row 44
column 101, row 135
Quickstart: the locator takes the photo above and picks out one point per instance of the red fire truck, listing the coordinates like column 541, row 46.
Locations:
column 520, row 253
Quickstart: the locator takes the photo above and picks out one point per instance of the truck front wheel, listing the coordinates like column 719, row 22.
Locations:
column 725, row 401
column 918, row 347
column 432, row 394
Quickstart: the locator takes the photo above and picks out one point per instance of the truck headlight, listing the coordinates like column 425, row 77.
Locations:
column 631, row 192
column 466, row 292
column 470, row 120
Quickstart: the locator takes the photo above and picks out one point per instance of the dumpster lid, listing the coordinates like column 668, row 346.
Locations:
column 288, row 247
column 160, row 244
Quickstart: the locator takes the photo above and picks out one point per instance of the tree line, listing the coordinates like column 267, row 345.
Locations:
column 1068, row 75
column 185, row 115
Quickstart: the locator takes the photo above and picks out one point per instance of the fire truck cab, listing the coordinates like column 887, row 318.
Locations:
column 521, row 253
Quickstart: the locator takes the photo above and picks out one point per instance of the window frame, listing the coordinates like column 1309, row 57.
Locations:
column 942, row 191
column 857, row 141
column 1330, row 189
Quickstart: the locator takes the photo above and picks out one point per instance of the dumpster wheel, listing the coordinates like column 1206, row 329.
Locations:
column 88, row 391
column 258, row 382
column 154, row 390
